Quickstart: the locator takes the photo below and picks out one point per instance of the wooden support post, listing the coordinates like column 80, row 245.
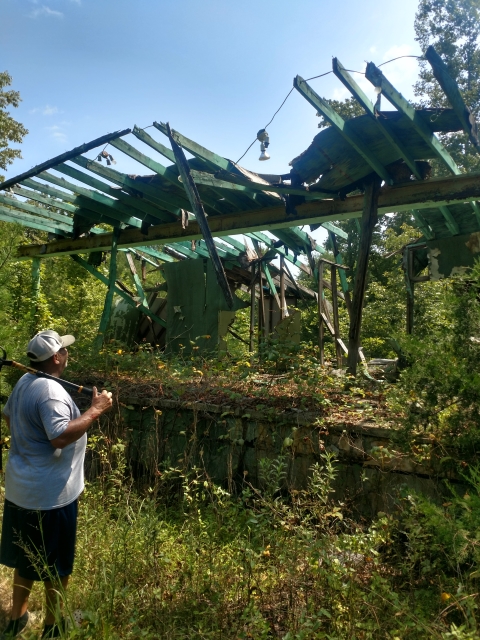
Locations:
column 252, row 309
column 283, row 303
column 107, row 307
column 321, row 328
column 341, row 272
column 35, row 291
column 410, row 290
column 410, row 303
column 261, row 308
column 368, row 222
column 336, row 324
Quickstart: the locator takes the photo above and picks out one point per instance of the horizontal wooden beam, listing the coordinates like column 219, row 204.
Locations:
column 63, row 157
column 415, row 194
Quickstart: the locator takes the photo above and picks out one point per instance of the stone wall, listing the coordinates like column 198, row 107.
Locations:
column 229, row 443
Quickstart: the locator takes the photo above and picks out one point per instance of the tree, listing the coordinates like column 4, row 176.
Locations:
column 453, row 28
column 10, row 129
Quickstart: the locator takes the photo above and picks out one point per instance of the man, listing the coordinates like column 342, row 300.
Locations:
column 43, row 479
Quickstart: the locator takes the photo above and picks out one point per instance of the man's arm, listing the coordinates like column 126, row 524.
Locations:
column 101, row 402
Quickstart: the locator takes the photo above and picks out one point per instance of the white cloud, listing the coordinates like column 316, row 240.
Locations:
column 50, row 111
column 45, row 11
column 47, row 110
column 57, row 133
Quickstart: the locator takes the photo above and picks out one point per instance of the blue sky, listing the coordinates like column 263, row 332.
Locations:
column 216, row 70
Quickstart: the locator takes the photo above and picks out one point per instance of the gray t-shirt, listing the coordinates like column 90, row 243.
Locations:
column 38, row 476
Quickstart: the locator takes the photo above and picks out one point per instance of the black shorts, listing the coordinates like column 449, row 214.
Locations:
column 40, row 544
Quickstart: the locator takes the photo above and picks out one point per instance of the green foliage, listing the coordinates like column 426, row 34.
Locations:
column 453, row 27
column 348, row 108
column 439, row 393
column 10, row 129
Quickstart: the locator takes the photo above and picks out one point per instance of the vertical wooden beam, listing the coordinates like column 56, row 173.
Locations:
column 410, row 290
column 261, row 309
column 410, row 305
column 321, row 327
column 336, row 324
column 252, row 308
column 283, row 303
column 107, row 307
column 367, row 225
column 35, row 292
column 341, row 272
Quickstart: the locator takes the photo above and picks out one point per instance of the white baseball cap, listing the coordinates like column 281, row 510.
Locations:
column 45, row 344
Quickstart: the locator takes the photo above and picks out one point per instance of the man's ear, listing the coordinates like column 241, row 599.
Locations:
column 56, row 358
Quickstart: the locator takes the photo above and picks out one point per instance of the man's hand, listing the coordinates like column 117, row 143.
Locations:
column 101, row 402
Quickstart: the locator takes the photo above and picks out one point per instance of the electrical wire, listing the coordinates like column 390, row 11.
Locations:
column 321, row 75
column 398, row 58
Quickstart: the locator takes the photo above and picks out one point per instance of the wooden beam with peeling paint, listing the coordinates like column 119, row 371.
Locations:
column 416, row 194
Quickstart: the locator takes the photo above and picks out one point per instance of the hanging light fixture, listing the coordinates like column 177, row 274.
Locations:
column 262, row 137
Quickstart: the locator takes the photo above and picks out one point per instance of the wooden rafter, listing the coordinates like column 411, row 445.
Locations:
column 342, row 127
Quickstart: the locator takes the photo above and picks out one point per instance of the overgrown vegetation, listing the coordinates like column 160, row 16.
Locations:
column 181, row 557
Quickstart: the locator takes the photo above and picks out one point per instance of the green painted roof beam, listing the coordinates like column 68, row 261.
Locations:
column 97, row 274
column 146, row 211
column 344, row 77
column 136, row 253
column 151, row 142
column 50, row 202
column 208, row 179
column 155, row 254
column 197, row 150
column 171, row 203
column 166, row 172
column 56, row 219
column 63, row 157
column 258, row 235
column 342, row 127
column 168, row 153
column 99, row 203
column 112, row 200
column 79, row 209
column 212, row 160
column 376, row 77
column 336, row 230
column 26, row 220
column 450, row 221
column 184, row 250
column 234, row 243
column 422, row 224
column 451, row 90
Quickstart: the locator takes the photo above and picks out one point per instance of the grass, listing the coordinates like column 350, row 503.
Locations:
column 183, row 559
